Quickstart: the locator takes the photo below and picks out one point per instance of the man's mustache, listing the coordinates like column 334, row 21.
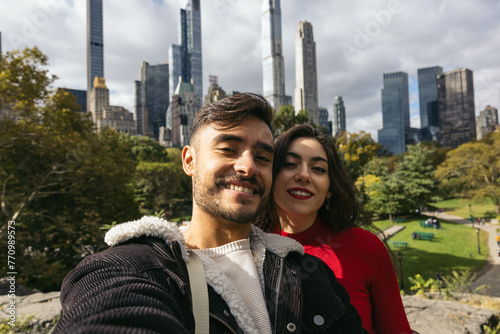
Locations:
column 222, row 180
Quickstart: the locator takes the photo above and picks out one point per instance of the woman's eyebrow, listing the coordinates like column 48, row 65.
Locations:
column 295, row 155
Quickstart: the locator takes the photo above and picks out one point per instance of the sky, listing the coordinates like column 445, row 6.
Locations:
column 356, row 42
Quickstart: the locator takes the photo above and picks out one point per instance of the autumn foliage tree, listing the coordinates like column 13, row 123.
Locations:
column 474, row 168
column 357, row 149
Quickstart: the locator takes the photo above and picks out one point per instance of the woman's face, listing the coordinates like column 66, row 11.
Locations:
column 301, row 186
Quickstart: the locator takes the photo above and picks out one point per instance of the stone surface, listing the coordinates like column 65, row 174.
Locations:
column 431, row 316
column 427, row 316
column 44, row 308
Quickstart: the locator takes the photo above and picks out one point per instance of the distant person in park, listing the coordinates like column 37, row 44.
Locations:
column 257, row 282
column 313, row 201
column 498, row 239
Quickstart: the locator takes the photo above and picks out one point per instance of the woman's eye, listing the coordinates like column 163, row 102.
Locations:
column 320, row 169
column 289, row 164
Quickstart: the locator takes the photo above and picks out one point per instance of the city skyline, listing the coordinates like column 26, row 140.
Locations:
column 355, row 45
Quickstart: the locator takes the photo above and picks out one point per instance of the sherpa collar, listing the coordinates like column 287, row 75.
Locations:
column 259, row 242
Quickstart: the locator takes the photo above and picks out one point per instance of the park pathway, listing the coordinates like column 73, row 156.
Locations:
column 490, row 274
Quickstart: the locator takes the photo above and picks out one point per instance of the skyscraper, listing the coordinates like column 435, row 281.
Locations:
column 395, row 112
column 306, row 80
column 151, row 98
column 273, row 68
column 486, row 122
column 185, row 105
column 322, row 117
column 185, row 59
column 95, row 42
column 98, row 99
column 428, row 96
column 338, row 124
column 215, row 92
column 457, row 121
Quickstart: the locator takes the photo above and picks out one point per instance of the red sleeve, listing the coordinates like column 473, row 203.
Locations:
column 388, row 313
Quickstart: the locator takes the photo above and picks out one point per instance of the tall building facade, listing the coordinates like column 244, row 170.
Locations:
column 95, row 42
column 98, row 99
column 428, row 98
column 273, row 68
column 185, row 105
column 457, row 121
column 119, row 119
column 395, row 112
column 338, row 123
column 322, row 117
column 185, row 59
column 486, row 122
column 306, row 78
column 215, row 92
column 81, row 97
column 151, row 98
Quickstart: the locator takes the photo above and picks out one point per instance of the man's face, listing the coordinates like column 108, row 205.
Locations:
column 231, row 169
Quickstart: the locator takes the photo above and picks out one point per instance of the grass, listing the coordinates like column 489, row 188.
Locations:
column 453, row 248
column 460, row 207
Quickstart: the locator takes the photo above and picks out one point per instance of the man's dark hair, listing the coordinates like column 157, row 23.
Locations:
column 231, row 111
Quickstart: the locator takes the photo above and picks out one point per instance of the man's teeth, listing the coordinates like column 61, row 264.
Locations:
column 300, row 193
column 241, row 189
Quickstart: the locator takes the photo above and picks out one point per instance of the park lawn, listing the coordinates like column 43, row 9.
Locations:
column 383, row 224
column 448, row 251
column 460, row 207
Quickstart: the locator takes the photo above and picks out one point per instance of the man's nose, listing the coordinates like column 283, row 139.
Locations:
column 245, row 164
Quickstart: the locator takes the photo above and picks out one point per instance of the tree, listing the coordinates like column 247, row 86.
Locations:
column 60, row 181
column 399, row 184
column 357, row 150
column 475, row 169
column 162, row 187
column 145, row 149
column 286, row 118
column 416, row 173
column 24, row 82
column 380, row 188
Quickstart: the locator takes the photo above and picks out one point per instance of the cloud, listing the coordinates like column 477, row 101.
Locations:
column 385, row 36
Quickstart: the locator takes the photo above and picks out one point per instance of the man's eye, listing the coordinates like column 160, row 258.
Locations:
column 263, row 158
column 226, row 149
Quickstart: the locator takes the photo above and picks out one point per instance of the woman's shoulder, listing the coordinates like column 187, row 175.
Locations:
column 369, row 239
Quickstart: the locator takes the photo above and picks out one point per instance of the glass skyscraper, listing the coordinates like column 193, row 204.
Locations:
column 395, row 112
column 457, row 121
column 185, row 59
column 306, row 79
column 151, row 98
column 95, row 42
column 338, row 124
column 428, row 96
column 273, row 70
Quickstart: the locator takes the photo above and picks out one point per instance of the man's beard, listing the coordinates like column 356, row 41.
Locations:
column 208, row 198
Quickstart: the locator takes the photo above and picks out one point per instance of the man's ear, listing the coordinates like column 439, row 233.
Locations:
column 188, row 160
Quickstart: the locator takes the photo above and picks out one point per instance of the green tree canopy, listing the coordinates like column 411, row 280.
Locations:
column 60, row 181
column 286, row 118
column 145, row 149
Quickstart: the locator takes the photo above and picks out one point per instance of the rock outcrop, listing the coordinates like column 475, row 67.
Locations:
column 427, row 316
